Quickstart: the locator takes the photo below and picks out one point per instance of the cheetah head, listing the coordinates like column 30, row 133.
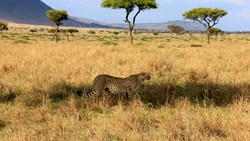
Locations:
column 143, row 76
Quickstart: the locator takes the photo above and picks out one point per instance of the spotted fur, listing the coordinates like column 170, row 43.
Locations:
column 106, row 84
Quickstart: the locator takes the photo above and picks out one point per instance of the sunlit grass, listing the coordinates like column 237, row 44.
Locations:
column 197, row 91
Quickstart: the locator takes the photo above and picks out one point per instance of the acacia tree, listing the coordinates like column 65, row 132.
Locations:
column 206, row 16
column 129, row 6
column 71, row 31
column 215, row 31
column 175, row 28
column 57, row 16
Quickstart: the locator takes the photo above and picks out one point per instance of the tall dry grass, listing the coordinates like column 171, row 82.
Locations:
column 197, row 91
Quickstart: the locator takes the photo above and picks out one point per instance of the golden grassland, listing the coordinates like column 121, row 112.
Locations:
column 197, row 91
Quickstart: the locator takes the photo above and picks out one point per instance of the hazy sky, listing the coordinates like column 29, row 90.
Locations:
column 238, row 18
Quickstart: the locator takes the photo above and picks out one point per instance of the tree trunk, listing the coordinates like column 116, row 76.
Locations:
column 130, row 28
column 73, row 36
column 1, row 34
column 131, row 36
column 130, row 32
column 67, row 36
column 57, row 29
column 208, row 35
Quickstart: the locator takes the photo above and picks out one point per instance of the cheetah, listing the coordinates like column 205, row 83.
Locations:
column 106, row 84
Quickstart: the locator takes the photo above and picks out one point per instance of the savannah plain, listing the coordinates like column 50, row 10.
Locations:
column 196, row 92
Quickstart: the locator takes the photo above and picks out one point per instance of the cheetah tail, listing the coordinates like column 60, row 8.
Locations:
column 91, row 93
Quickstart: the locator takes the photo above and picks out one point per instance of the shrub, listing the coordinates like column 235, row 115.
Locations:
column 3, row 26
column 116, row 32
column 156, row 33
column 33, row 30
column 92, row 32
column 72, row 30
column 175, row 28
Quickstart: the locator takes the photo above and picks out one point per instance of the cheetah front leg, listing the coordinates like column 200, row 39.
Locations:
column 127, row 95
column 130, row 94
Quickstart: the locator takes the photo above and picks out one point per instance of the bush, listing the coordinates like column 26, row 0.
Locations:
column 196, row 45
column 33, row 30
column 3, row 26
column 156, row 33
column 116, row 32
column 51, row 31
column 92, row 32
column 71, row 30
column 175, row 28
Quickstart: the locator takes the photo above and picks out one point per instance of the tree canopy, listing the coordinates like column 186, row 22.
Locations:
column 57, row 16
column 129, row 6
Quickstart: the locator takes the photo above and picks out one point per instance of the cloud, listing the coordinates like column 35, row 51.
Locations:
column 238, row 2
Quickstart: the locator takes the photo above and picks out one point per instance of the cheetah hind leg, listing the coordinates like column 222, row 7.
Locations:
column 107, row 91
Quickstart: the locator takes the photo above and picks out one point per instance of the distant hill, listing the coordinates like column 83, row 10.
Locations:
column 24, row 11
column 189, row 26
column 33, row 12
